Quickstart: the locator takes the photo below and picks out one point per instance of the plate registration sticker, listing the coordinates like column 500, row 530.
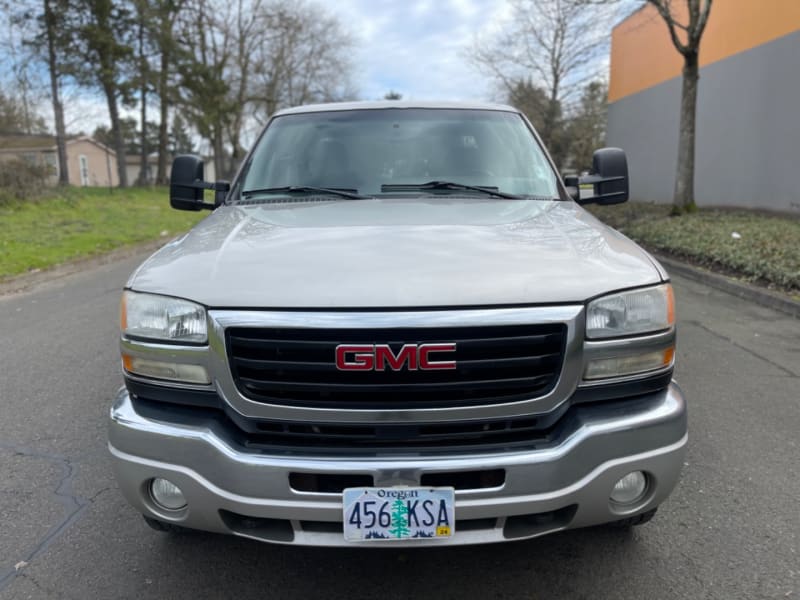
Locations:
column 398, row 513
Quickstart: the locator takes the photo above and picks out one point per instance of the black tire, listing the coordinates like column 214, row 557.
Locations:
column 164, row 527
column 635, row 520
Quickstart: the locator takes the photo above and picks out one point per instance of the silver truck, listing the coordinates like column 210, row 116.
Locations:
column 397, row 326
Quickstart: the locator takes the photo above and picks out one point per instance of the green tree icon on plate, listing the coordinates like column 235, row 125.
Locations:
column 399, row 519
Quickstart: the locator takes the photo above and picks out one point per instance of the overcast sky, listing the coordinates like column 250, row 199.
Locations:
column 417, row 47
column 414, row 47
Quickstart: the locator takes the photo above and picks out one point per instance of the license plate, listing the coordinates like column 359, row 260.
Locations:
column 401, row 513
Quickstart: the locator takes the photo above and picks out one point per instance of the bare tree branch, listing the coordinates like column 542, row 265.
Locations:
column 698, row 18
column 556, row 46
column 663, row 8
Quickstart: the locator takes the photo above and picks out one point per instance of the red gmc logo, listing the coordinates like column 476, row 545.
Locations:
column 379, row 357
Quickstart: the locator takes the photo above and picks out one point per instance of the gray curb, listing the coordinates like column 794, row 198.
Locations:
column 753, row 293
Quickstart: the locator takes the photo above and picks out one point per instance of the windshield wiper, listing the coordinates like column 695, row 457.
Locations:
column 446, row 185
column 306, row 189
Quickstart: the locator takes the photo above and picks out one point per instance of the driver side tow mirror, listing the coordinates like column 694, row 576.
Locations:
column 573, row 185
column 186, row 185
column 609, row 177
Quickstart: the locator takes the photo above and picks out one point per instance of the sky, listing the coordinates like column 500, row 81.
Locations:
column 414, row 47
column 417, row 47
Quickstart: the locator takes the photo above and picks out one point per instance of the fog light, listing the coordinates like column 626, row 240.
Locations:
column 630, row 488
column 166, row 494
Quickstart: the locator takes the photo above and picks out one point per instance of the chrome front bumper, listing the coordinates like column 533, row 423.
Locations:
column 562, row 486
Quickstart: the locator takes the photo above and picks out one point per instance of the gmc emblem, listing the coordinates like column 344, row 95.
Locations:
column 379, row 357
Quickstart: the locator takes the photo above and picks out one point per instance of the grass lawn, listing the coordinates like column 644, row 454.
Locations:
column 81, row 222
column 753, row 246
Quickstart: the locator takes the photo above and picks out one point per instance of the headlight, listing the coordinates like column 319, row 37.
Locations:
column 630, row 313
column 161, row 318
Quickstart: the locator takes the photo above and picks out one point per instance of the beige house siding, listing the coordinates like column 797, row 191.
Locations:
column 100, row 164
column 133, row 167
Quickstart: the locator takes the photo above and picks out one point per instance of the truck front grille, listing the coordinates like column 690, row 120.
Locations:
column 297, row 366
column 504, row 434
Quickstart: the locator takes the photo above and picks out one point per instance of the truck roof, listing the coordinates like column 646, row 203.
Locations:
column 379, row 104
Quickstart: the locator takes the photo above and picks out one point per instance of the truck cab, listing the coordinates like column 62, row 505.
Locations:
column 397, row 326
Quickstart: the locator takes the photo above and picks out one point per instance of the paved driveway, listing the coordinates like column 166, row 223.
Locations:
column 730, row 530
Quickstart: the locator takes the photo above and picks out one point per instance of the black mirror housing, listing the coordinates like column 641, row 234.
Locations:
column 221, row 189
column 573, row 185
column 609, row 177
column 186, row 183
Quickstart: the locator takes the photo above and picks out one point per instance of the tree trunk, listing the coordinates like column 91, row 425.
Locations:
column 163, row 133
column 236, row 154
column 219, row 151
column 684, row 179
column 144, row 169
column 116, row 132
column 58, row 108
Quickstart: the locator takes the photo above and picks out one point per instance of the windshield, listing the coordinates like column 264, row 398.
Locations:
column 369, row 152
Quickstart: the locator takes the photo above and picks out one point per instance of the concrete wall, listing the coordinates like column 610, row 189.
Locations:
column 748, row 131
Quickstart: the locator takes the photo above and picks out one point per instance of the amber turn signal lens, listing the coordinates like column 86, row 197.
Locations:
column 670, row 305
column 634, row 364
column 157, row 369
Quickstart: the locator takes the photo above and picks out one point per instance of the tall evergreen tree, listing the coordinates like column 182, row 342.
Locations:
column 163, row 16
column 587, row 128
column 50, row 21
column 180, row 142
column 99, row 55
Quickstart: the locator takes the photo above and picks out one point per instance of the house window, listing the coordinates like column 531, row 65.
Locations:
column 84, row 169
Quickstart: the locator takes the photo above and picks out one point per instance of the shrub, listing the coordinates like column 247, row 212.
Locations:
column 755, row 246
column 22, row 180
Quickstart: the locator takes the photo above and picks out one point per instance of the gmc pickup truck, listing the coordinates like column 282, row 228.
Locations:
column 397, row 326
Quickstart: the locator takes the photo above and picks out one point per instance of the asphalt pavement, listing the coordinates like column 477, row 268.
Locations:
column 729, row 531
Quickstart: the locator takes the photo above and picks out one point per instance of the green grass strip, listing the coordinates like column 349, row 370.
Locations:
column 83, row 222
column 755, row 246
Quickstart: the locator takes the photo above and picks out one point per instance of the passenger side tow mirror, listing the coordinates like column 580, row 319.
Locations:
column 186, row 185
column 609, row 177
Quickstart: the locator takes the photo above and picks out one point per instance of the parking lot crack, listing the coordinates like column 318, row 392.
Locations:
column 73, row 505
column 48, row 592
column 744, row 348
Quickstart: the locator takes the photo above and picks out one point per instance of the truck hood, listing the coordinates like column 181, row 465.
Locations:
column 398, row 252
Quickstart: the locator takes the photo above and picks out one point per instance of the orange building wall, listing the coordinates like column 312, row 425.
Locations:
column 642, row 54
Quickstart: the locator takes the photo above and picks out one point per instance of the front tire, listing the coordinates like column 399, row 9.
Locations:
column 636, row 520
column 164, row 527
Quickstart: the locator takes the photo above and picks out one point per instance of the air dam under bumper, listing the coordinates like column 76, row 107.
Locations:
column 563, row 486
